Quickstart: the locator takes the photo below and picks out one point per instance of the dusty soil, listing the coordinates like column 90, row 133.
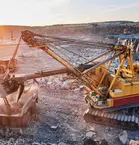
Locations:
column 60, row 111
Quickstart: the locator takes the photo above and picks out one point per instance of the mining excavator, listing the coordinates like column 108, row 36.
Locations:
column 112, row 95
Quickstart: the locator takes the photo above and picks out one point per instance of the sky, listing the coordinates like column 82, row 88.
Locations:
column 48, row 12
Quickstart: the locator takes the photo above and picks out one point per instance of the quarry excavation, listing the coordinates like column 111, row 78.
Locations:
column 69, row 72
column 112, row 96
column 98, row 79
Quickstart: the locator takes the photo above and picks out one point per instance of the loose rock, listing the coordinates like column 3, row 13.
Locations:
column 133, row 142
column 11, row 140
column 90, row 134
column 20, row 141
column 54, row 127
column 51, row 144
column 62, row 143
column 124, row 137
column 36, row 143
column 42, row 143
column 103, row 142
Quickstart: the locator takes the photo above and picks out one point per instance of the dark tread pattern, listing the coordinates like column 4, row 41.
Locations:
column 115, row 119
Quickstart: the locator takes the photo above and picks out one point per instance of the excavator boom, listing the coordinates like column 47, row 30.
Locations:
column 22, row 78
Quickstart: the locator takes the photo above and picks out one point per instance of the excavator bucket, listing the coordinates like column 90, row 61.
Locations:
column 19, row 107
column 18, row 101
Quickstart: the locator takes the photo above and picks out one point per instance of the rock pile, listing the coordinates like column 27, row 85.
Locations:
column 59, row 82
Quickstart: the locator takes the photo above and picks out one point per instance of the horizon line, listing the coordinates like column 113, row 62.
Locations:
column 68, row 23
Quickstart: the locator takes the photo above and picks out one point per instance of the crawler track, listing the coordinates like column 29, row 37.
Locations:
column 116, row 119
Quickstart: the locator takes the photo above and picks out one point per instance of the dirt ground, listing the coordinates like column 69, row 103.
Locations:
column 60, row 111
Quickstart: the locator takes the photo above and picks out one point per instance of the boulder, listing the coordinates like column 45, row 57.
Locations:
column 90, row 134
column 123, row 137
column 133, row 142
column 53, row 127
